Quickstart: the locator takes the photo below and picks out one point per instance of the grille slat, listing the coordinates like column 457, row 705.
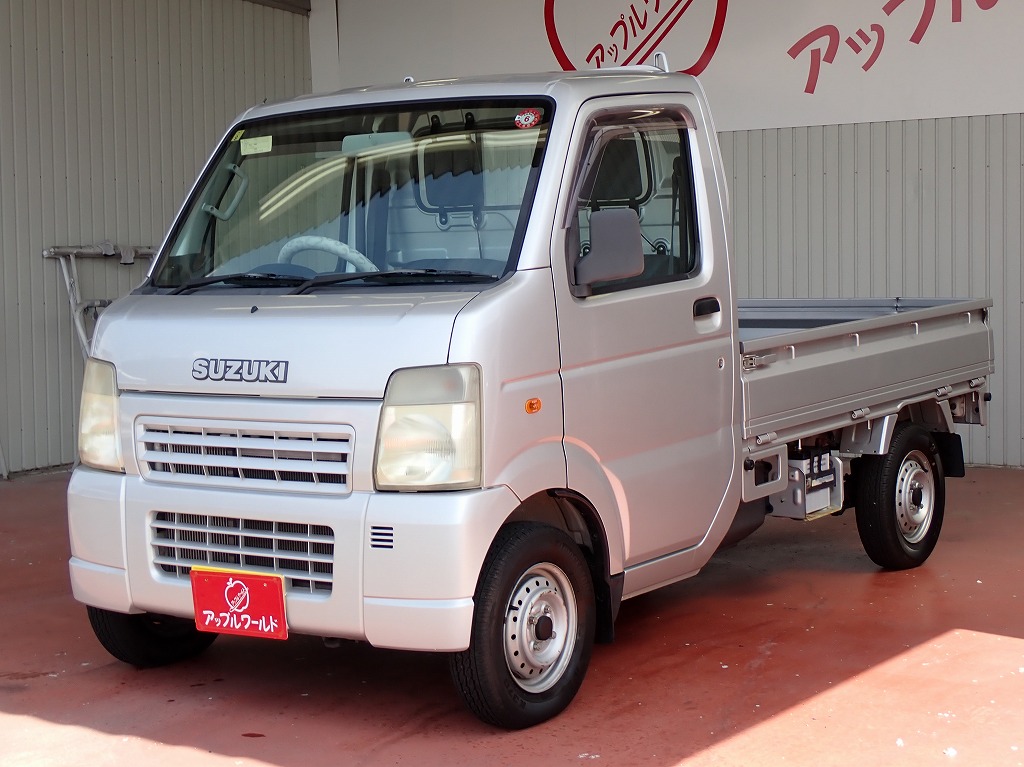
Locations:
column 252, row 440
column 312, row 458
column 304, row 554
column 243, row 462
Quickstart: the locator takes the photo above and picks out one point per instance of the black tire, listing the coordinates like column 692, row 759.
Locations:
column 533, row 628
column 146, row 640
column 901, row 497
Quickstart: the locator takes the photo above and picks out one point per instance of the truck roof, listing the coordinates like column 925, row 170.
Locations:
column 575, row 86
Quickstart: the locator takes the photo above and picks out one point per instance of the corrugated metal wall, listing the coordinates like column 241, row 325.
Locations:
column 107, row 110
column 917, row 208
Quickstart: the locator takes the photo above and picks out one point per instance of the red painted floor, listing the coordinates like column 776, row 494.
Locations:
column 791, row 649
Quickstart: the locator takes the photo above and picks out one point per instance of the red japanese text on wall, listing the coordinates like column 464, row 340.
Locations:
column 583, row 38
column 822, row 46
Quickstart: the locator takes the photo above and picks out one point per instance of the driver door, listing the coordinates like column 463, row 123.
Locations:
column 648, row 360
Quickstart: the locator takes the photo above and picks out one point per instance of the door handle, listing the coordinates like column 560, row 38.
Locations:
column 702, row 307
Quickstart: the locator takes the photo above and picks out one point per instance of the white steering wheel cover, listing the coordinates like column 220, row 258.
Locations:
column 338, row 248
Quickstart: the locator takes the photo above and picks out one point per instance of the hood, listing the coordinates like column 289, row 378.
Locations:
column 322, row 345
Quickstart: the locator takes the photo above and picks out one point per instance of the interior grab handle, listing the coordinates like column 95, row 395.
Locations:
column 224, row 215
column 702, row 307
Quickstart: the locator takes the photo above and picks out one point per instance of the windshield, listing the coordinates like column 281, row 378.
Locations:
column 431, row 190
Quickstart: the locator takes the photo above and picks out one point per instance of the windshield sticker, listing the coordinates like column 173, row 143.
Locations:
column 257, row 145
column 238, row 134
column 528, row 118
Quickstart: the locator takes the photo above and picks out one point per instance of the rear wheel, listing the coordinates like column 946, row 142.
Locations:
column 147, row 640
column 900, row 500
column 533, row 628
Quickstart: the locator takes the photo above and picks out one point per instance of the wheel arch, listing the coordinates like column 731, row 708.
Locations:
column 576, row 516
column 935, row 416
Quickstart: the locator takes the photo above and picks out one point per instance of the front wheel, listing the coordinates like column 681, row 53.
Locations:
column 900, row 500
column 533, row 628
column 146, row 640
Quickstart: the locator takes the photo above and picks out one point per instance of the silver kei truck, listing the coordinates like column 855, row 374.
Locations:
column 457, row 366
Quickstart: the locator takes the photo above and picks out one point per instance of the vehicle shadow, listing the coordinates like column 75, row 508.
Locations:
column 789, row 614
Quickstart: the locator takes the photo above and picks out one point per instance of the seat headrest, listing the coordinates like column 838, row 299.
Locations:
column 619, row 179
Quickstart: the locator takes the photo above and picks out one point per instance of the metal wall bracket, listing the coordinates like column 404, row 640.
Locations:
column 67, row 255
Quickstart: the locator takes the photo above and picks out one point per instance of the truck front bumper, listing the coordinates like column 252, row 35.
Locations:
column 403, row 566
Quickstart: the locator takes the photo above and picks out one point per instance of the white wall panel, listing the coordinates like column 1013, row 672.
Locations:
column 917, row 208
column 107, row 110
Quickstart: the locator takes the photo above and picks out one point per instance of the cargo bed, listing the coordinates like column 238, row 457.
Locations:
column 812, row 365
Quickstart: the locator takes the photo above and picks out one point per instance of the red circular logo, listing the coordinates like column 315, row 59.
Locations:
column 635, row 34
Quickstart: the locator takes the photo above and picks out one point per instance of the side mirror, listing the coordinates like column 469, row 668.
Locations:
column 616, row 249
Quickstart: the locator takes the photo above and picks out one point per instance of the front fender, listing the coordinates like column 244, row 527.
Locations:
column 537, row 469
column 604, row 492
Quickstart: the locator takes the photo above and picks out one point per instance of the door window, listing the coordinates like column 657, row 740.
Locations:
column 642, row 161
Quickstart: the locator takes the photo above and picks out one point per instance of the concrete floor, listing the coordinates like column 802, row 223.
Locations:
column 791, row 649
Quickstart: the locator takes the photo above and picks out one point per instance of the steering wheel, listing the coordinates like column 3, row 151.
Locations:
column 305, row 242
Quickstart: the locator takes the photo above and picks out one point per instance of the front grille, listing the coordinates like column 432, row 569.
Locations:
column 292, row 457
column 302, row 553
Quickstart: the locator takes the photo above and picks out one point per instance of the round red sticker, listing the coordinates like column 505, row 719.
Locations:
column 528, row 118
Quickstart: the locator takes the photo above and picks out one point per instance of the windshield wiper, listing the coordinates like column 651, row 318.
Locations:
column 245, row 279
column 409, row 276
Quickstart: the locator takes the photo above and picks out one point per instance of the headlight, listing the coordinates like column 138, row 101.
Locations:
column 99, row 445
column 429, row 436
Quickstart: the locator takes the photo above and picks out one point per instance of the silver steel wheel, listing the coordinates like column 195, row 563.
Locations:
column 915, row 496
column 541, row 624
column 901, row 499
column 534, row 621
